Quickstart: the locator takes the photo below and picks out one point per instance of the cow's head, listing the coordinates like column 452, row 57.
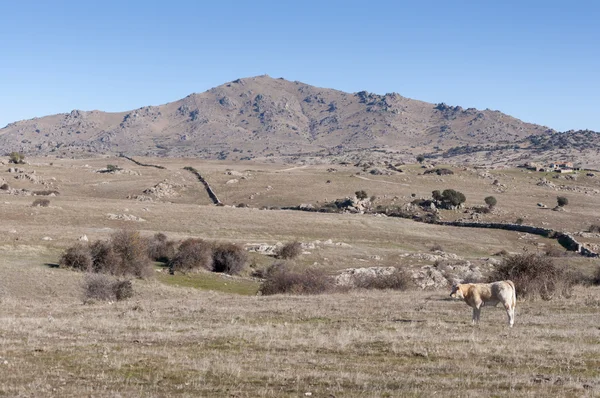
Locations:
column 456, row 292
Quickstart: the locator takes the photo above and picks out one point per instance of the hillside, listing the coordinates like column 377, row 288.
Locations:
column 265, row 117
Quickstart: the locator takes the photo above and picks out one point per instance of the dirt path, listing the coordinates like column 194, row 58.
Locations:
column 294, row 168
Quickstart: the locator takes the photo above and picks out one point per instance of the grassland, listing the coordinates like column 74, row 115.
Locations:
column 209, row 335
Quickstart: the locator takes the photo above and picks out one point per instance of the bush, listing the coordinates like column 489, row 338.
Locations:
column 562, row 201
column 519, row 221
column 280, row 278
column 16, row 157
column 361, row 195
column 453, row 197
column 420, row 158
column 160, row 248
column 45, row 193
column 535, row 276
column 105, row 288
column 397, row 280
column 132, row 251
column 4, row 187
column 41, row 203
column 192, row 254
column 104, row 258
column 111, row 168
column 596, row 277
column 490, row 201
column 77, row 257
column 592, row 228
column 482, row 209
column 436, row 247
column 289, row 250
column 229, row 258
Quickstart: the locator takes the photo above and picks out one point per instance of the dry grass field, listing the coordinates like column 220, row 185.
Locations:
column 210, row 335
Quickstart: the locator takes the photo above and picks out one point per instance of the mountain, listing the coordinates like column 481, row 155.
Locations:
column 266, row 117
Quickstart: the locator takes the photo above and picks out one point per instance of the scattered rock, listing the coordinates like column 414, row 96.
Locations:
column 124, row 217
column 350, row 276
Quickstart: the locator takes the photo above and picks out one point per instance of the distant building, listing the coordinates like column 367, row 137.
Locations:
column 562, row 167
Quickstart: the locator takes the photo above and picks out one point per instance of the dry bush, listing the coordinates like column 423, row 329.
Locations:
column 553, row 251
column 160, row 248
column 105, row 288
column 289, row 251
column 482, row 209
column 132, row 250
column 77, row 257
column 229, row 258
column 104, row 258
column 436, row 248
column 592, row 228
column 41, row 203
column 596, row 277
column 192, row 254
column 280, row 278
column 45, row 193
column 397, row 280
column 534, row 276
column 4, row 187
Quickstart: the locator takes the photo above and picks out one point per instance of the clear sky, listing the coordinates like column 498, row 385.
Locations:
column 535, row 60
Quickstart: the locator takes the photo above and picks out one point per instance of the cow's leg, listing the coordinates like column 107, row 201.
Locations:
column 476, row 313
column 510, row 311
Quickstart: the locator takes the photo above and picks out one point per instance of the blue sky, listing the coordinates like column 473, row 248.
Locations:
column 536, row 60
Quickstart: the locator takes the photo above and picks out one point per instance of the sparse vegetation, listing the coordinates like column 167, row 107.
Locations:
column 281, row 278
column 592, row 228
column 41, row 203
column 535, row 276
column 105, row 288
column 111, row 168
column 289, row 251
column 397, row 280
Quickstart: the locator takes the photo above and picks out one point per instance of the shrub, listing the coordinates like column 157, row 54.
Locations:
column 160, row 248
column 361, row 195
column 77, row 257
column 397, row 280
column 436, row 247
column 519, row 221
column 132, row 251
column 111, row 168
column 4, row 187
column 535, row 276
column 229, row 258
column 420, row 158
column 482, row 209
column 440, row 172
column 553, row 251
column 16, row 157
column 280, row 278
column 41, row 203
column 592, row 228
column 192, row 254
column 45, row 193
column 104, row 258
column 289, row 250
column 490, row 201
column 596, row 277
column 562, row 201
column 105, row 288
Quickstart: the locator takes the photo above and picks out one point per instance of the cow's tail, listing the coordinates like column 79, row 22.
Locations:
column 514, row 293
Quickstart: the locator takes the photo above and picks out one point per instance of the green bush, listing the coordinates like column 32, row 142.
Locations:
column 453, row 197
column 562, row 201
column 16, row 157
column 361, row 195
column 490, row 201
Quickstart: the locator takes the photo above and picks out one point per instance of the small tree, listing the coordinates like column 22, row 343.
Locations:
column 453, row 197
column 361, row 195
column 229, row 258
column 290, row 250
column 562, row 201
column 420, row 158
column 490, row 201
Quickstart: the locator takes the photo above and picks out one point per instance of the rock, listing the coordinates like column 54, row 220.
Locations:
column 83, row 238
column 350, row 276
column 46, row 238
column 233, row 181
column 543, row 206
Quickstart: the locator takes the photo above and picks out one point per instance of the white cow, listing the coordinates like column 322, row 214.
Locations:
column 478, row 295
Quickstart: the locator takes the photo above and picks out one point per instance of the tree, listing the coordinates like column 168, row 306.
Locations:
column 361, row 195
column 490, row 201
column 453, row 197
column 562, row 201
column 420, row 158
column 437, row 195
